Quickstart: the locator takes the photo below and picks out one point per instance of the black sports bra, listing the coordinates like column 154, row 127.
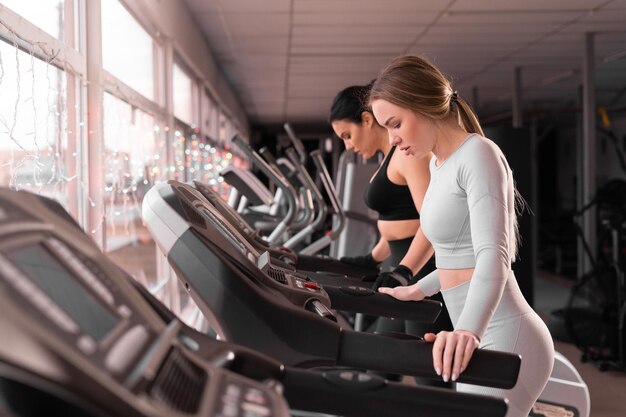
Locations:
column 391, row 201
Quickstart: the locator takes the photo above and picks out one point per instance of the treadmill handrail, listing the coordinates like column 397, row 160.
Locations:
column 322, row 212
column 307, row 214
column 378, row 304
column 412, row 357
column 301, row 168
column 330, row 191
column 247, row 184
column 304, row 198
column 297, row 143
column 278, row 179
column 353, row 394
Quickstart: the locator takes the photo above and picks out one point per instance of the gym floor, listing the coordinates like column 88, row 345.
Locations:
column 606, row 389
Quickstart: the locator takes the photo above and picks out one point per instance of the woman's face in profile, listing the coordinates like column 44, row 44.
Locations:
column 357, row 136
column 407, row 130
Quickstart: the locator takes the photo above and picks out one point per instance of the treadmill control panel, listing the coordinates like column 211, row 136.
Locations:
column 79, row 309
column 288, row 278
column 240, row 399
column 297, row 288
column 67, row 289
column 239, row 223
column 216, row 200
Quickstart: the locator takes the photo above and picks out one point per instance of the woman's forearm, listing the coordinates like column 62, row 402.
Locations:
column 419, row 253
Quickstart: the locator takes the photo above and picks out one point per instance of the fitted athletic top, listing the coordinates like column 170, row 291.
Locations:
column 468, row 215
column 391, row 201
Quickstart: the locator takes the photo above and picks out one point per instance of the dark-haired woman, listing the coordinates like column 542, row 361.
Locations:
column 396, row 192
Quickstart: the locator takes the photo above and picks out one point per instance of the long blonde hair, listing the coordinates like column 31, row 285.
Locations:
column 413, row 83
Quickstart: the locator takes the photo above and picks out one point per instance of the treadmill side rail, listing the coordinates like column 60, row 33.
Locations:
column 411, row 357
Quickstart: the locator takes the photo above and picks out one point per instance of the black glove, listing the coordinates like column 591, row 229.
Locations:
column 364, row 261
column 400, row 276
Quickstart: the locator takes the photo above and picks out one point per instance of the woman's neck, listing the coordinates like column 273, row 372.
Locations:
column 382, row 138
column 449, row 136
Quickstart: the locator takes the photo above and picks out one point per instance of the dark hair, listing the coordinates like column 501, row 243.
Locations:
column 350, row 103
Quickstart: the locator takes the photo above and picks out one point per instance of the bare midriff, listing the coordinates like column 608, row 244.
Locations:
column 449, row 278
column 398, row 229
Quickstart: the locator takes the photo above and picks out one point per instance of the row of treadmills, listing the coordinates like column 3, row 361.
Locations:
column 80, row 337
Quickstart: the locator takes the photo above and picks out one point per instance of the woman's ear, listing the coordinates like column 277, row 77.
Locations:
column 367, row 118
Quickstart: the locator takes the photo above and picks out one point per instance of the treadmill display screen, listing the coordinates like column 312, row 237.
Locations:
column 64, row 289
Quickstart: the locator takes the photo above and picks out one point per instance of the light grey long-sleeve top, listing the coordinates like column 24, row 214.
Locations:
column 468, row 215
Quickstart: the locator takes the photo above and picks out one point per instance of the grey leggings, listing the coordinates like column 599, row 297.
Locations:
column 514, row 327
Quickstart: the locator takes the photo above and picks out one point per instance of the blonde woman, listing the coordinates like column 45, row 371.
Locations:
column 469, row 216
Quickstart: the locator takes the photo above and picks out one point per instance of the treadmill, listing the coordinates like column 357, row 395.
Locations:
column 327, row 271
column 326, row 266
column 82, row 338
column 301, row 261
column 282, row 314
column 352, row 296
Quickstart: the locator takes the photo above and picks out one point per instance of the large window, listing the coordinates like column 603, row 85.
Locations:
column 224, row 128
column 134, row 160
column 184, row 93
column 194, row 154
column 34, row 153
column 46, row 14
column 179, row 152
column 127, row 49
column 210, row 117
column 45, row 134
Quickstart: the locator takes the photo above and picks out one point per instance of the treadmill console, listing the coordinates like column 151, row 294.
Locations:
column 68, row 290
column 216, row 200
column 63, row 299
column 235, row 219
column 291, row 279
column 206, row 221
